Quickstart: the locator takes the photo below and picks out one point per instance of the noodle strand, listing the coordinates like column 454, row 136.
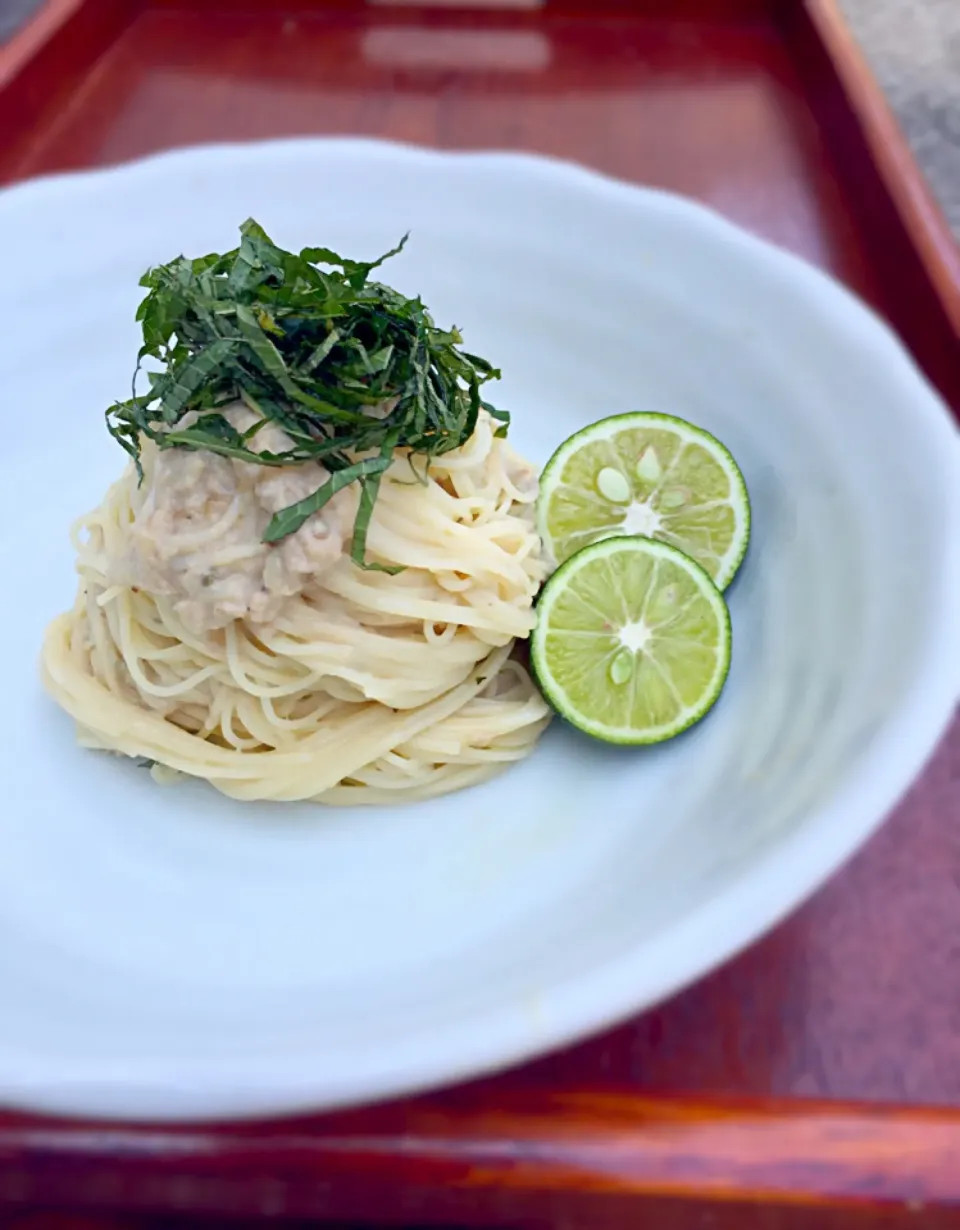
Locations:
column 367, row 687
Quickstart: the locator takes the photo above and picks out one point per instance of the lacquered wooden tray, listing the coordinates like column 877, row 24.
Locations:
column 815, row 1080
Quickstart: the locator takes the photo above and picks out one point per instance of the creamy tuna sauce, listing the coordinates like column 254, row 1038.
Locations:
column 197, row 535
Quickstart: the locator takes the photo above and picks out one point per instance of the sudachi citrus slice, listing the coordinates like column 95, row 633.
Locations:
column 632, row 643
column 648, row 474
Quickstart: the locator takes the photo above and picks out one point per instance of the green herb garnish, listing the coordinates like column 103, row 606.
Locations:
column 308, row 343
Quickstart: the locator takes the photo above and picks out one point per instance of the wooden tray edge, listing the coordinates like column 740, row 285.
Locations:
column 921, row 215
column 529, row 1147
column 60, row 42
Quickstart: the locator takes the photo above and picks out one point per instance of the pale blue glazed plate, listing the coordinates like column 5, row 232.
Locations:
column 167, row 953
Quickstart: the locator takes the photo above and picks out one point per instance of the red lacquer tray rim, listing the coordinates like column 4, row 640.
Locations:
column 922, row 216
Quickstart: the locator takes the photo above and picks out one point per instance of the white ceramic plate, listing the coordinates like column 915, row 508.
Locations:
column 168, row 953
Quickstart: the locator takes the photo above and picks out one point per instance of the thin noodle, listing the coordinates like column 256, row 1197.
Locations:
column 367, row 687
